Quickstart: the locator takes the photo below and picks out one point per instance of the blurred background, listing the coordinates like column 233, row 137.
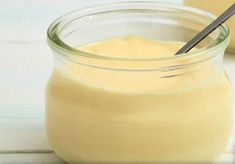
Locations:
column 25, row 65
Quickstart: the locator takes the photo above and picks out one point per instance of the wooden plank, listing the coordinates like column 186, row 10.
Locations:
column 50, row 158
column 40, row 158
column 24, row 71
column 226, row 158
column 23, row 134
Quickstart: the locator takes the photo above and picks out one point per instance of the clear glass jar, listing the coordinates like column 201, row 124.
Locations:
column 217, row 8
column 118, row 110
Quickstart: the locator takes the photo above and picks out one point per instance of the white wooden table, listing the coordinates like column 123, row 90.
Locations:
column 25, row 65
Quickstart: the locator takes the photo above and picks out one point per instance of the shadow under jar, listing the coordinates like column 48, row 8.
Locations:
column 101, row 109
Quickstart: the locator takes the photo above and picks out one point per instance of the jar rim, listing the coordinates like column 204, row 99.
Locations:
column 58, row 44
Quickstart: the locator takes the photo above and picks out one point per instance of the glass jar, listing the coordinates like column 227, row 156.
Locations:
column 101, row 109
column 218, row 7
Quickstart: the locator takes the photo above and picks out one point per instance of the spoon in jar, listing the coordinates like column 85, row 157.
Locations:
column 206, row 31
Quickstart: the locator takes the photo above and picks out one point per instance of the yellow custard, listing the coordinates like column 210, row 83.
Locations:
column 97, row 115
column 217, row 7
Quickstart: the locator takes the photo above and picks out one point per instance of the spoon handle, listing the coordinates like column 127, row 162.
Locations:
column 206, row 31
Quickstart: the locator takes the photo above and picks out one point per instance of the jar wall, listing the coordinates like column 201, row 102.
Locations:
column 87, row 124
column 93, row 117
column 104, row 110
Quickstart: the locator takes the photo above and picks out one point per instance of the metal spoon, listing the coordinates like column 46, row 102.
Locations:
column 206, row 31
